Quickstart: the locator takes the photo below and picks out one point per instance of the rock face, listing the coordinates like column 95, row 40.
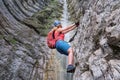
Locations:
column 97, row 44
column 23, row 54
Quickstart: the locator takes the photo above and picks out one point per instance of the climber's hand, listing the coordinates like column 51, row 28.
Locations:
column 77, row 24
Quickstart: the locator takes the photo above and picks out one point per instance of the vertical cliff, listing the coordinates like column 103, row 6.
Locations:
column 23, row 26
column 23, row 51
column 97, row 43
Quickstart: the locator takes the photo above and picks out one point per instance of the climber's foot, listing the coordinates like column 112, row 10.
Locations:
column 70, row 69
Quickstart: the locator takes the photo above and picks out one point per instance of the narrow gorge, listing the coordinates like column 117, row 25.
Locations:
column 24, row 25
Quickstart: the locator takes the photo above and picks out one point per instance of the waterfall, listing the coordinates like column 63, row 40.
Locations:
column 64, row 60
column 64, row 19
column 56, row 67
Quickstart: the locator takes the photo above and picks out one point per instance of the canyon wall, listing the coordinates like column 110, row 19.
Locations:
column 23, row 54
column 97, row 43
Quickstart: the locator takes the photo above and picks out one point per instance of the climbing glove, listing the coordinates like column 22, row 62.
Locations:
column 77, row 24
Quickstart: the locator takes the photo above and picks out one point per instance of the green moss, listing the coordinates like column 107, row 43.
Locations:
column 13, row 41
column 1, row 36
column 44, row 19
column 10, row 39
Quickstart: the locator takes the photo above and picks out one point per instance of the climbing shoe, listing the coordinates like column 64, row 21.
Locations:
column 70, row 69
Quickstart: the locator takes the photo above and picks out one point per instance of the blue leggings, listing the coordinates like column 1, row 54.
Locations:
column 62, row 47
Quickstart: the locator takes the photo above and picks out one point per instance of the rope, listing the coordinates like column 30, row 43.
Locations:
column 71, row 39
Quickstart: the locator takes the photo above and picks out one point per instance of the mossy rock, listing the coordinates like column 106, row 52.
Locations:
column 44, row 19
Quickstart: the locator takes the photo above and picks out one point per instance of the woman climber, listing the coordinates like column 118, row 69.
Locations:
column 62, row 46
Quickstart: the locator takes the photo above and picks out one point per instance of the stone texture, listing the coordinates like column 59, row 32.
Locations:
column 98, row 39
column 23, row 54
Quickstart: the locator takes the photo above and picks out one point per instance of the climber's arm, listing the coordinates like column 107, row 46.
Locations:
column 69, row 28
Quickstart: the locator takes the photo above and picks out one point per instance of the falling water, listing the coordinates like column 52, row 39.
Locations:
column 56, row 67
column 65, row 22
column 64, row 19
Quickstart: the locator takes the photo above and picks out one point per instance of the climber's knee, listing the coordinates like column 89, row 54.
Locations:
column 70, row 50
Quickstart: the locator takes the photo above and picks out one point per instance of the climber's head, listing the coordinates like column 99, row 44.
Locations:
column 57, row 23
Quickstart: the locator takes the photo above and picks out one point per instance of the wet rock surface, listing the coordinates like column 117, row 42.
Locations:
column 98, row 39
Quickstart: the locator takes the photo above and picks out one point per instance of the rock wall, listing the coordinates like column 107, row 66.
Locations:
column 23, row 54
column 97, row 47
